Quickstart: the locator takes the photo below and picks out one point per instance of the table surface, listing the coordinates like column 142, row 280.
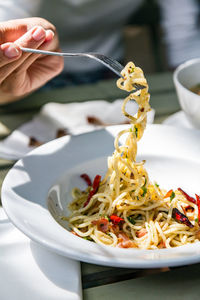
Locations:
column 105, row 282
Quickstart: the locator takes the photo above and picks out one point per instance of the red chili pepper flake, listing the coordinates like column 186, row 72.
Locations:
column 87, row 179
column 189, row 208
column 179, row 217
column 191, row 199
column 116, row 220
column 95, row 187
column 168, row 194
column 198, row 205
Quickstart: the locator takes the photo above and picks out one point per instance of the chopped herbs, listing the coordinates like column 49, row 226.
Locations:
column 197, row 220
column 139, row 217
column 157, row 185
column 131, row 220
column 144, row 191
column 144, row 188
column 107, row 218
column 136, row 131
column 88, row 238
column 172, row 196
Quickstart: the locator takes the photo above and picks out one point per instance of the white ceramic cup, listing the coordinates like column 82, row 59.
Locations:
column 186, row 76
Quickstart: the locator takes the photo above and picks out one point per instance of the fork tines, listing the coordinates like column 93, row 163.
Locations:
column 138, row 87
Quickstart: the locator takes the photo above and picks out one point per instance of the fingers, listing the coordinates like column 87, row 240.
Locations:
column 12, row 30
column 33, row 57
column 9, row 53
column 32, row 39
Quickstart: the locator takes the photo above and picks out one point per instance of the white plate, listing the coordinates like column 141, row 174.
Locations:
column 45, row 176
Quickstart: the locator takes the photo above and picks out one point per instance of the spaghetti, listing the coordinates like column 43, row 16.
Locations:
column 125, row 209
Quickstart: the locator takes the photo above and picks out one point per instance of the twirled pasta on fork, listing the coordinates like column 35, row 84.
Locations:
column 125, row 209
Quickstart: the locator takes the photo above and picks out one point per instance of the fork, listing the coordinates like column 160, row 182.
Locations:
column 109, row 62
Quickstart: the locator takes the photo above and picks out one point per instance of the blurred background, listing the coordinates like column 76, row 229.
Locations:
column 157, row 35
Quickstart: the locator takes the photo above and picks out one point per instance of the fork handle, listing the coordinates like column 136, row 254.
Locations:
column 36, row 51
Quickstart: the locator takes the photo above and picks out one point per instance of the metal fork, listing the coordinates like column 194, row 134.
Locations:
column 109, row 62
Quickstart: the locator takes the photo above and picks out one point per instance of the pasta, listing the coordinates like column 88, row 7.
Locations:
column 126, row 209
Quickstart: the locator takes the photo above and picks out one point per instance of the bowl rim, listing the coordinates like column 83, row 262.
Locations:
column 182, row 66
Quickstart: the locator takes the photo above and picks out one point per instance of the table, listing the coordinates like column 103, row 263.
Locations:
column 105, row 282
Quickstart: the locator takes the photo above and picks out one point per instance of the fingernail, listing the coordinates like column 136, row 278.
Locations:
column 49, row 35
column 11, row 51
column 38, row 34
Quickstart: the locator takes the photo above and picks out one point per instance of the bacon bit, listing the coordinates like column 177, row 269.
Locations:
column 102, row 224
column 161, row 245
column 179, row 217
column 168, row 194
column 86, row 178
column 197, row 234
column 141, row 232
column 115, row 228
column 189, row 208
column 33, row 142
column 191, row 199
column 95, row 187
column 116, row 220
column 125, row 242
column 198, row 205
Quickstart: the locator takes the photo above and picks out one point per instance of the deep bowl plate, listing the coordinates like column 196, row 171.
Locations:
column 36, row 191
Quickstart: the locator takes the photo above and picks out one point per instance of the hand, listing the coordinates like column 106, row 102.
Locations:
column 22, row 73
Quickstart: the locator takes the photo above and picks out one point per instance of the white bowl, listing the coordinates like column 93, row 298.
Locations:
column 186, row 76
column 37, row 189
